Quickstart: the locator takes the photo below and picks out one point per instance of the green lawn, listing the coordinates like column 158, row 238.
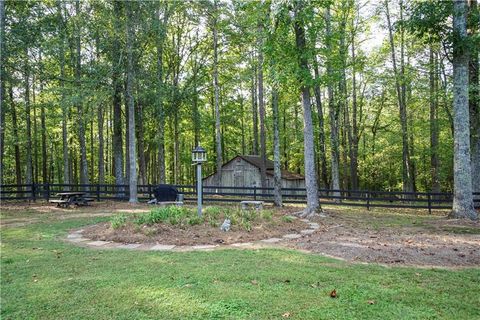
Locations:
column 43, row 277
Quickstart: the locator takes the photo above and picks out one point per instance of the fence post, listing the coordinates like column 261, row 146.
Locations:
column 255, row 192
column 33, row 192
column 46, row 192
column 429, row 203
column 149, row 192
column 98, row 192
column 368, row 200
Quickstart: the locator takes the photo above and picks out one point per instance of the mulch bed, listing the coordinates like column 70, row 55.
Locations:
column 202, row 234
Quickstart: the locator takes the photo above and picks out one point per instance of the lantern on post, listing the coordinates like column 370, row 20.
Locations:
column 199, row 156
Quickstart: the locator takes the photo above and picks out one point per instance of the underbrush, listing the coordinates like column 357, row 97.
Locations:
column 183, row 217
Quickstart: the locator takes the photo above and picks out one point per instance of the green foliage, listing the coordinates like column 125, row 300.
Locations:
column 173, row 215
column 288, row 219
column 118, row 220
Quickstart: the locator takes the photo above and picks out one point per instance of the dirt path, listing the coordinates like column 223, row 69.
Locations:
column 395, row 239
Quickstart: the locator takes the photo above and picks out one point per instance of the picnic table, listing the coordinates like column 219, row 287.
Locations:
column 69, row 198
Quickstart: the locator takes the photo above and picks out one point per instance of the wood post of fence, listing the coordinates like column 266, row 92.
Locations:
column 368, row 200
column 429, row 203
column 46, row 192
column 149, row 192
column 33, row 191
column 98, row 192
column 255, row 193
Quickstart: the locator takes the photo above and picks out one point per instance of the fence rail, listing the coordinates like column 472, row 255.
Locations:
column 362, row 198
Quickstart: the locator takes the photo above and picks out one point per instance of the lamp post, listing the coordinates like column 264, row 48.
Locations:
column 199, row 155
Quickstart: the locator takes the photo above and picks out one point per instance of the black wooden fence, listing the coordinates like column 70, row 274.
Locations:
column 362, row 198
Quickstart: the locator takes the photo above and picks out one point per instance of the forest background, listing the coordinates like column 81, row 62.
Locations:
column 98, row 91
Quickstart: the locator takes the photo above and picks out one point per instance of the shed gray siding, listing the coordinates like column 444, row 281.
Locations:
column 240, row 173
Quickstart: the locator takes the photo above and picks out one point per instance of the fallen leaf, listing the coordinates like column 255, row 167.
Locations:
column 333, row 294
column 286, row 315
column 417, row 274
column 371, row 301
column 254, row 282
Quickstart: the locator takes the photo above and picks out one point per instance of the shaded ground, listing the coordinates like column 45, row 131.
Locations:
column 386, row 236
column 395, row 238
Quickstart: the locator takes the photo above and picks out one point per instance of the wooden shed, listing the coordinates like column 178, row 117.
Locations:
column 244, row 171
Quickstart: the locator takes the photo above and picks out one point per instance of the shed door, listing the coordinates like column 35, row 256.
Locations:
column 239, row 175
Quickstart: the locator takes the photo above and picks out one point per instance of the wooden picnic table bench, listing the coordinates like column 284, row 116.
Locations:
column 69, row 198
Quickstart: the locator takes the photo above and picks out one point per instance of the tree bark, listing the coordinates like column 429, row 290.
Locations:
column 400, row 87
column 159, row 41
column 254, row 110
column 132, row 152
column 61, row 23
column 354, row 136
column 18, row 164
column 434, row 162
column 117, row 140
column 313, row 205
column 321, row 125
column 333, row 111
column 2, row 89
column 141, row 145
column 81, row 117
column 261, row 106
column 218, row 134
column 277, row 173
column 474, row 97
column 462, row 193
column 29, row 163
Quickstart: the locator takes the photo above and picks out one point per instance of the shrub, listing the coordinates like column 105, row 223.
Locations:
column 213, row 213
column 172, row 215
column 118, row 221
column 267, row 215
column 287, row 219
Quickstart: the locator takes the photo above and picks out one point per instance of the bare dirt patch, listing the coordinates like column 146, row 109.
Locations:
column 202, row 234
column 395, row 239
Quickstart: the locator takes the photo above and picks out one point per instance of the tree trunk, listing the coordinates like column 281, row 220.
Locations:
column 18, row 164
column 261, row 107
column 132, row 165
column 101, row 145
column 277, row 173
column 462, row 194
column 254, row 111
column 117, row 140
column 321, row 125
column 35, row 133
column 81, row 117
column 29, row 170
column 474, row 97
column 434, row 163
column 354, row 131
column 2, row 88
column 333, row 112
column 313, row 205
column 141, row 145
column 66, row 165
column 159, row 40
column 400, row 87
column 218, row 135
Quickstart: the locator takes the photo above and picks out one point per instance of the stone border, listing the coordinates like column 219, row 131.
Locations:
column 77, row 238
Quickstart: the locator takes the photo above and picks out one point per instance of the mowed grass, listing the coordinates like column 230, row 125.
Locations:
column 43, row 277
